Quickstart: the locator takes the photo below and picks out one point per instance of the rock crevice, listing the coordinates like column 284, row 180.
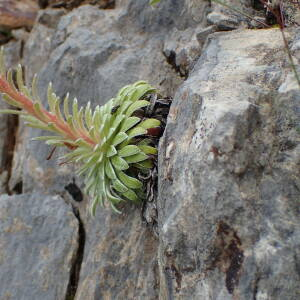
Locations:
column 77, row 260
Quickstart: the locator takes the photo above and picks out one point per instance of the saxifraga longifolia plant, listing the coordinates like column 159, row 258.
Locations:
column 109, row 142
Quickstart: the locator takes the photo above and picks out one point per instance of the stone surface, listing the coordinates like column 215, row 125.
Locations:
column 16, row 14
column 229, row 187
column 8, row 123
column 120, row 258
column 38, row 244
column 35, row 55
column 225, row 18
column 228, row 219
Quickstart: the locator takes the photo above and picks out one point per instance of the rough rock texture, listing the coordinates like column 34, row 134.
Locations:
column 120, row 258
column 228, row 220
column 16, row 14
column 8, row 124
column 38, row 244
column 229, row 188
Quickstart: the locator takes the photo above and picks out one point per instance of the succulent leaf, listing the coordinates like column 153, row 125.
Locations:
column 144, row 165
column 129, row 181
column 119, row 138
column 152, row 2
column 119, row 186
column 149, row 123
column 129, row 150
column 148, row 149
column 109, row 170
column 129, row 123
column 135, row 106
column 136, row 158
column 111, row 151
column 119, row 163
column 131, row 195
column 136, row 131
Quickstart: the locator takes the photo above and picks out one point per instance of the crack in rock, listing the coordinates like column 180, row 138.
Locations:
column 171, row 60
column 12, row 122
column 77, row 260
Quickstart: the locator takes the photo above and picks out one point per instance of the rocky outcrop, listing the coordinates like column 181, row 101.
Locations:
column 229, row 187
column 226, row 213
column 8, row 123
column 38, row 246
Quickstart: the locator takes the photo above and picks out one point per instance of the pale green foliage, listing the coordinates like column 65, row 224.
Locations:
column 106, row 164
column 152, row 2
column 103, row 141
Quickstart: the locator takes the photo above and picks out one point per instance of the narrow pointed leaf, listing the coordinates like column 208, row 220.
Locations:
column 11, row 101
column 12, row 111
column 124, row 106
column 2, row 64
column 11, row 80
column 19, row 78
column 146, row 164
column 140, row 91
column 119, row 163
column 135, row 106
column 148, row 149
column 153, row 2
column 66, row 106
column 129, row 123
column 131, row 195
column 136, row 131
column 129, row 181
column 149, row 123
column 88, row 115
column 39, row 126
column 111, row 151
column 129, row 150
column 119, row 186
column 34, row 89
column 145, row 141
column 136, row 158
column 38, row 111
column 95, row 202
column 109, row 170
column 119, row 138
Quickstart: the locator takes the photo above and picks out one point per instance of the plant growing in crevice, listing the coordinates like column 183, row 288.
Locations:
column 110, row 142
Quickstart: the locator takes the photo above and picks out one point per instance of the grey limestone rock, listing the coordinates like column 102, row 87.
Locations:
column 120, row 258
column 8, row 123
column 229, row 186
column 38, row 245
column 228, row 204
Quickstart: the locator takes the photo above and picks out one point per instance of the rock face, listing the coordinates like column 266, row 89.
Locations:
column 8, row 123
column 37, row 247
column 229, row 187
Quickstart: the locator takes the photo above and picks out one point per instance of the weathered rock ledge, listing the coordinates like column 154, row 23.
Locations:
column 229, row 186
